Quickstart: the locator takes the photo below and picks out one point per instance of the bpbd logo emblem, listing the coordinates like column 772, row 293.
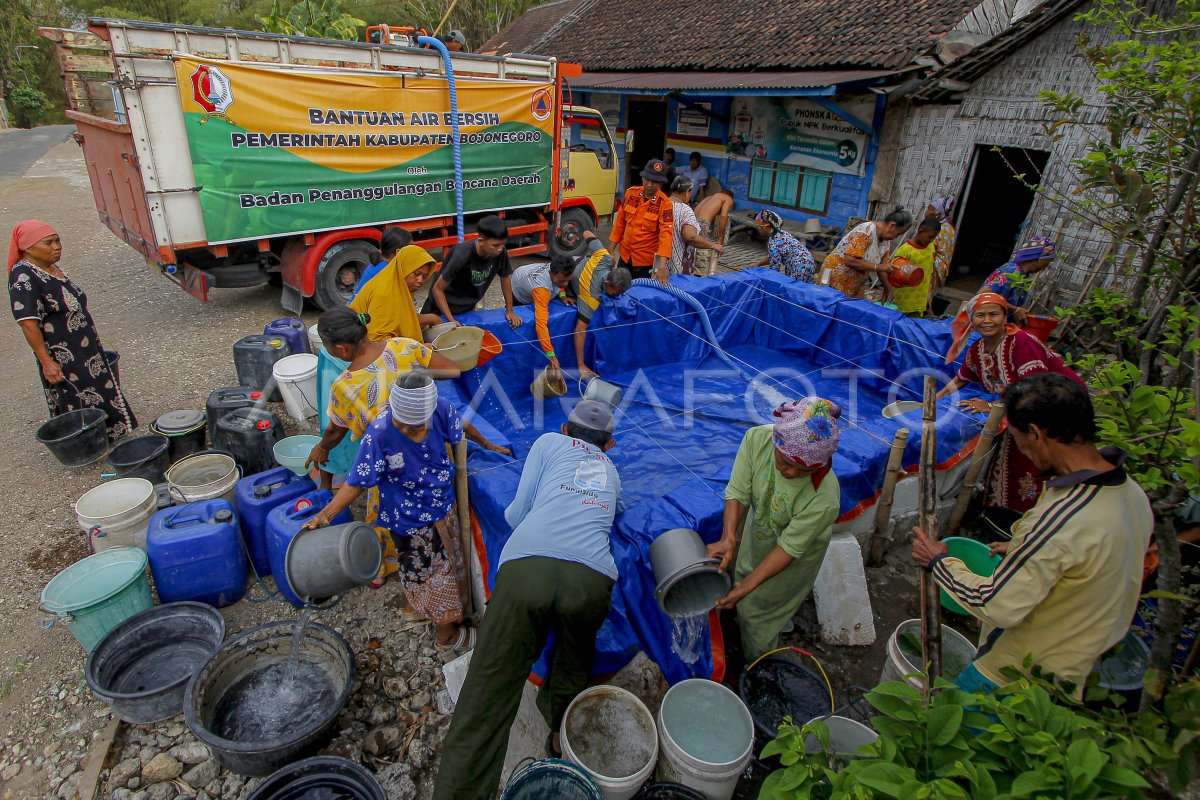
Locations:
column 212, row 91
column 542, row 105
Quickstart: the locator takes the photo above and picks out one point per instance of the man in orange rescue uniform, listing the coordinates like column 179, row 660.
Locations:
column 645, row 225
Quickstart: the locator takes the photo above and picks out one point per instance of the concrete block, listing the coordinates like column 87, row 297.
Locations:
column 843, row 603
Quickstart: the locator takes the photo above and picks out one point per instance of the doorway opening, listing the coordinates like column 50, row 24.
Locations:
column 994, row 205
column 647, row 118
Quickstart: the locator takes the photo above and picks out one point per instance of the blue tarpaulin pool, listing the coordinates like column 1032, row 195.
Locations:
column 685, row 410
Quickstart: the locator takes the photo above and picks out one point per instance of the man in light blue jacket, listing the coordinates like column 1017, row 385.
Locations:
column 556, row 575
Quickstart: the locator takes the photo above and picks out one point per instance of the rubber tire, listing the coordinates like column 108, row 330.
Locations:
column 327, row 294
column 572, row 223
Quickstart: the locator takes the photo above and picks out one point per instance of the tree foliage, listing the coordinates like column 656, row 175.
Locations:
column 1135, row 340
column 324, row 20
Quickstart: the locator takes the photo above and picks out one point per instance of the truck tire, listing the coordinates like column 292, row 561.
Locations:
column 338, row 271
column 572, row 224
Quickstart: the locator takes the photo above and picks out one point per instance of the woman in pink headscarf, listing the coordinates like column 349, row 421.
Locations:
column 1003, row 354
column 52, row 312
column 784, row 494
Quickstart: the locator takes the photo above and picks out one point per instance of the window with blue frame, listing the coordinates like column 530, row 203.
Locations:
column 790, row 185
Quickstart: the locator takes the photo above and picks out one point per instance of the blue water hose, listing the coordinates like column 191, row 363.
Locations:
column 704, row 321
column 436, row 44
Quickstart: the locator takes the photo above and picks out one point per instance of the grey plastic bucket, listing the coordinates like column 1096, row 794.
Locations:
column 687, row 583
column 329, row 561
column 203, row 476
column 603, row 392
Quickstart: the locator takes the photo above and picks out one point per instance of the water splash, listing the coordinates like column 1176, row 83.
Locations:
column 687, row 637
column 297, row 635
column 279, row 697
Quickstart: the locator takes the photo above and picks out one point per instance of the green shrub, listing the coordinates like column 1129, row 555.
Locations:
column 1030, row 740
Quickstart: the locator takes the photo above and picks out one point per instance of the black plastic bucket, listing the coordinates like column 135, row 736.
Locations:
column 142, row 457
column 318, row 777
column 77, row 437
column 114, row 361
column 997, row 523
column 667, row 791
column 141, row 667
column 778, row 687
column 237, row 661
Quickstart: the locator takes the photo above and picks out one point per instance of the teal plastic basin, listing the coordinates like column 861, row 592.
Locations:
column 978, row 558
column 293, row 451
column 97, row 594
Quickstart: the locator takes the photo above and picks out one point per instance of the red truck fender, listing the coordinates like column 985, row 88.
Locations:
column 299, row 260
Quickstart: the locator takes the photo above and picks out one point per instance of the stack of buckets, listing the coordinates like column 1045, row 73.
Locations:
column 702, row 738
column 296, row 374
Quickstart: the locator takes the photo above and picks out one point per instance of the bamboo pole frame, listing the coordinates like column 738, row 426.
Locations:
column 883, row 509
column 463, row 505
column 931, row 623
column 982, row 446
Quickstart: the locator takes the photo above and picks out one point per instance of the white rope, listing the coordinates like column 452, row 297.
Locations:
column 754, row 369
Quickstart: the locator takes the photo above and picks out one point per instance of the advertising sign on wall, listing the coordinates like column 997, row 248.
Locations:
column 799, row 131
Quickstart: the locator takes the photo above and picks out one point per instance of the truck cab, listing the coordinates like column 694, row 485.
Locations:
column 591, row 183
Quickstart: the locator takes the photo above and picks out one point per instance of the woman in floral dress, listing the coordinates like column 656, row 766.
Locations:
column 862, row 251
column 405, row 457
column 53, row 314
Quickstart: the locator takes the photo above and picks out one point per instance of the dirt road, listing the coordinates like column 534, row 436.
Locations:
column 175, row 351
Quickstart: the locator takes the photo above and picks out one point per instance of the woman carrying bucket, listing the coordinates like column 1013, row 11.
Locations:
column 360, row 392
column 785, row 495
column 405, row 459
column 53, row 314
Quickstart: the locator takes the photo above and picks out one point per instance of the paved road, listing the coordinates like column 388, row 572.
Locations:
column 19, row 148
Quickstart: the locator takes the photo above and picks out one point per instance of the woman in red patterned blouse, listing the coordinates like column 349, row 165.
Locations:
column 1003, row 354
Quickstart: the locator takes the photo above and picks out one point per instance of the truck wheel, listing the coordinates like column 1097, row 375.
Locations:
column 338, row 271
column 572, row 224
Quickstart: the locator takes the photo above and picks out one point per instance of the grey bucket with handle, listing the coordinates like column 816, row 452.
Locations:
column 325, row 562
column 601, row 391
column 687, row 582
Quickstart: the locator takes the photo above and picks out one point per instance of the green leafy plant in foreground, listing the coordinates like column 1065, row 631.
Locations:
column 1030, row 740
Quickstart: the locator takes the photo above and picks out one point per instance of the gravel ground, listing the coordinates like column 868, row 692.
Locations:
column 175, row 351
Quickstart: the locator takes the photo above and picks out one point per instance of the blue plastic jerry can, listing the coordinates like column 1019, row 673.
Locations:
column 196, row 553
column 255, row 496
column 283, row 523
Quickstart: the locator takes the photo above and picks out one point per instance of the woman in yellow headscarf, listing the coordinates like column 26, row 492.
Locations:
column 388, row 297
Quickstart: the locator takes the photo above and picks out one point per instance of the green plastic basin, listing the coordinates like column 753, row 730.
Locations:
column 97, row 594
column 978, row 558
column 293, row 451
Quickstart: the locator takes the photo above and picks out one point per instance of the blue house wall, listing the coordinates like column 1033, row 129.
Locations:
column 848, row 194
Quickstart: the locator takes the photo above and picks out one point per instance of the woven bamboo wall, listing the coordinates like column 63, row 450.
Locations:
column 1002, row 108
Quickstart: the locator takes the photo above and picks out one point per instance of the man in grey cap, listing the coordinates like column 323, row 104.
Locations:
column 556, row 576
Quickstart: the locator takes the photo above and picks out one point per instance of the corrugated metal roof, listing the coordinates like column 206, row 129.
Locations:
column 724, row 81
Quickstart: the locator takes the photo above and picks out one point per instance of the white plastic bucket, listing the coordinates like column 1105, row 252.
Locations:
column 314, row 339
column 706, row 737
column 203, row 476
column 296, row 377
column 845, row 736
column 608, row 730
column 117, row 513
column 957, row 653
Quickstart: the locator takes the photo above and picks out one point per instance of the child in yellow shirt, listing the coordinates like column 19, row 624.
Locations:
column 913, row 300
